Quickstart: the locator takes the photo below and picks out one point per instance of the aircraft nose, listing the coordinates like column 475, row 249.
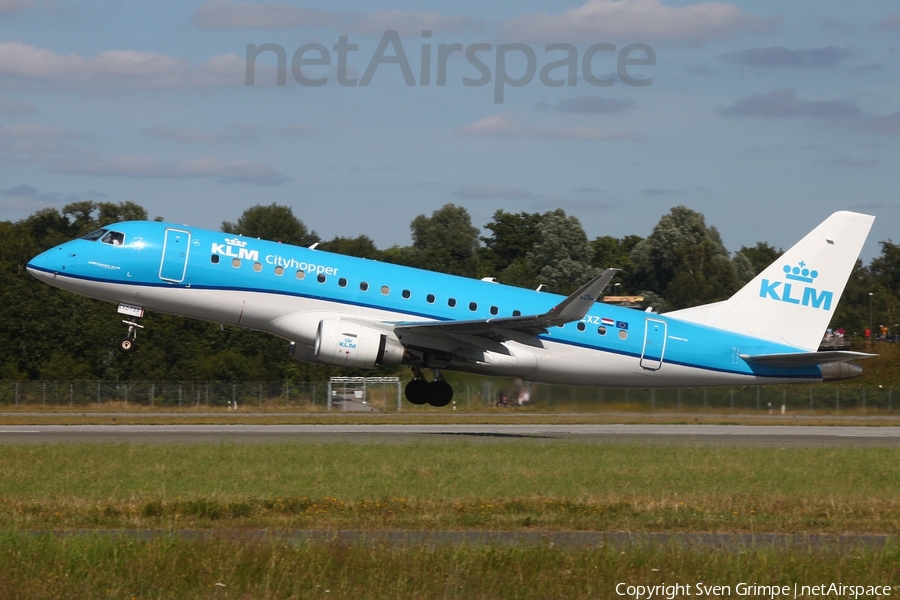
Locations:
column 49, row 262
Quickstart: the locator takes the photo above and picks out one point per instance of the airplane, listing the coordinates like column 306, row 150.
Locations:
column 353, row 312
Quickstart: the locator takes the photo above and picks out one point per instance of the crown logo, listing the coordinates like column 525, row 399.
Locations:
column 800, row 273
column 236, row 242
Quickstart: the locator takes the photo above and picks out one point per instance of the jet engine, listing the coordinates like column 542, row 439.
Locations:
column 348, row 344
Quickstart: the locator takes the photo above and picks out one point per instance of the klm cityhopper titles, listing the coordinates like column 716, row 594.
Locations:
column 345, row 311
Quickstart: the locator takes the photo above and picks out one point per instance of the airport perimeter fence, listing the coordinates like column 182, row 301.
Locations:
column 250, row 395
column 164, row 394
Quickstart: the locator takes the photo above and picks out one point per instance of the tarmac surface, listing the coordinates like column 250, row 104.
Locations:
column 730, row 435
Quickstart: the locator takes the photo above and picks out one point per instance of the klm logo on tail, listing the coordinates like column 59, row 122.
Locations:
column 787, row 291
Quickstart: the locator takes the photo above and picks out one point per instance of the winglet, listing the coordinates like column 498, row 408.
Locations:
column 580, row 302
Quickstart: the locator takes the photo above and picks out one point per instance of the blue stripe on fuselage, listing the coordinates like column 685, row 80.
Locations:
column 138, row 263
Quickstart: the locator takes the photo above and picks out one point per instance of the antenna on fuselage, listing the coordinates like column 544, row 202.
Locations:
column 313, row 247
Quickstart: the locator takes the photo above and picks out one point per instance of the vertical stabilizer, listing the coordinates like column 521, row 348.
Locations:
column 793, row 299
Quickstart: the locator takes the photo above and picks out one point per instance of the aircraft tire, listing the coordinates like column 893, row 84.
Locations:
column 439, row 393
column 417, row 391
column 126, row 345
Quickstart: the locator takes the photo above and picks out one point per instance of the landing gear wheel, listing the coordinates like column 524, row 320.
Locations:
column 417, row 391
column 439, row 393
column 126, row 344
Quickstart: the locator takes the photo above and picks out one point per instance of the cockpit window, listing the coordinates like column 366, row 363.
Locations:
column 95, row 235
column 114, row 238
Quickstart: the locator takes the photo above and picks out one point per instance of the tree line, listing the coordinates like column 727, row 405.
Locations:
column 46, row 333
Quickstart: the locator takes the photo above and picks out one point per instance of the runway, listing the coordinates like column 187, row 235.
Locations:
column 731, row 435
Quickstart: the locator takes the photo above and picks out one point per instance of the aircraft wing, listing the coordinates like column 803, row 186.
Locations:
column 522, row 329
column 803, row 359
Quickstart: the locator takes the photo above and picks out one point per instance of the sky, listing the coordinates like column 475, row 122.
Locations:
column 764, row 116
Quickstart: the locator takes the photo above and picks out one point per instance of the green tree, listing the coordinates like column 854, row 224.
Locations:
column 561, row 257
column 683, row 254
column 610, row 252
column 361, row 246
column 273, row 222
column 760, row 256
column 446, row 241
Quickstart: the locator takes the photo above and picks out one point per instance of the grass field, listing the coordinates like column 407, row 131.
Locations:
column 514, row 485
column 38, row 567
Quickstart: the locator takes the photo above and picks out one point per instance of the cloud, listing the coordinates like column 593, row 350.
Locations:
column 33, row 131
column 188, row 134
column 115, row 69
column 224, row 14
column 408, row 22
column 595, row 104
column 23, row 191
column 779, row 56
column 636, row 19
column 847, row 161
column 504, row 126
column 27, row 198
column 297, row 130
column 886, row 124
column 13, row 6
column 232, row 171
column 220, row 14
column 661, row 192
column 784, row 103
column 8, row 105
column 486, row 191
column 589, row 190
column 891, row 21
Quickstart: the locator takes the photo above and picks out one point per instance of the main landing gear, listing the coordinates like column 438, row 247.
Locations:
column 126, row 344
column 436, row 393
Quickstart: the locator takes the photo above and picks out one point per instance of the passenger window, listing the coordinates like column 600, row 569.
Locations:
column 517, row 313
column 257, row 267
column 342, row 282
column 235, row 262
column 473, row 306
column 279, row 271
column 494, row 310
column 601, row 330
column 321, row 278
column 623, row 334
column 214, row 259
column 405, row 294
column 385, row 290
column 429, row 298
column 451, row 302
column 363, row 286
column 301, row 274
column 581, row 327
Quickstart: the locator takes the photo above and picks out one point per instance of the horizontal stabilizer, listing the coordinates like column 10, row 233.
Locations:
column 803, row 359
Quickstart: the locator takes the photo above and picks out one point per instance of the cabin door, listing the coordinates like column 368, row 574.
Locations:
column 654, row 344
column 176, row 248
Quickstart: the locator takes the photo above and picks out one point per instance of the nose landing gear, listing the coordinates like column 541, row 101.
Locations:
column 437, row 393
column 126, row 344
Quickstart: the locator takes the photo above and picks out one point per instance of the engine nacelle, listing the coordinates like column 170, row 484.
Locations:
column 347, row 344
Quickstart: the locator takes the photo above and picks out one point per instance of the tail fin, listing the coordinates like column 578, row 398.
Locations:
column 793, row 299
